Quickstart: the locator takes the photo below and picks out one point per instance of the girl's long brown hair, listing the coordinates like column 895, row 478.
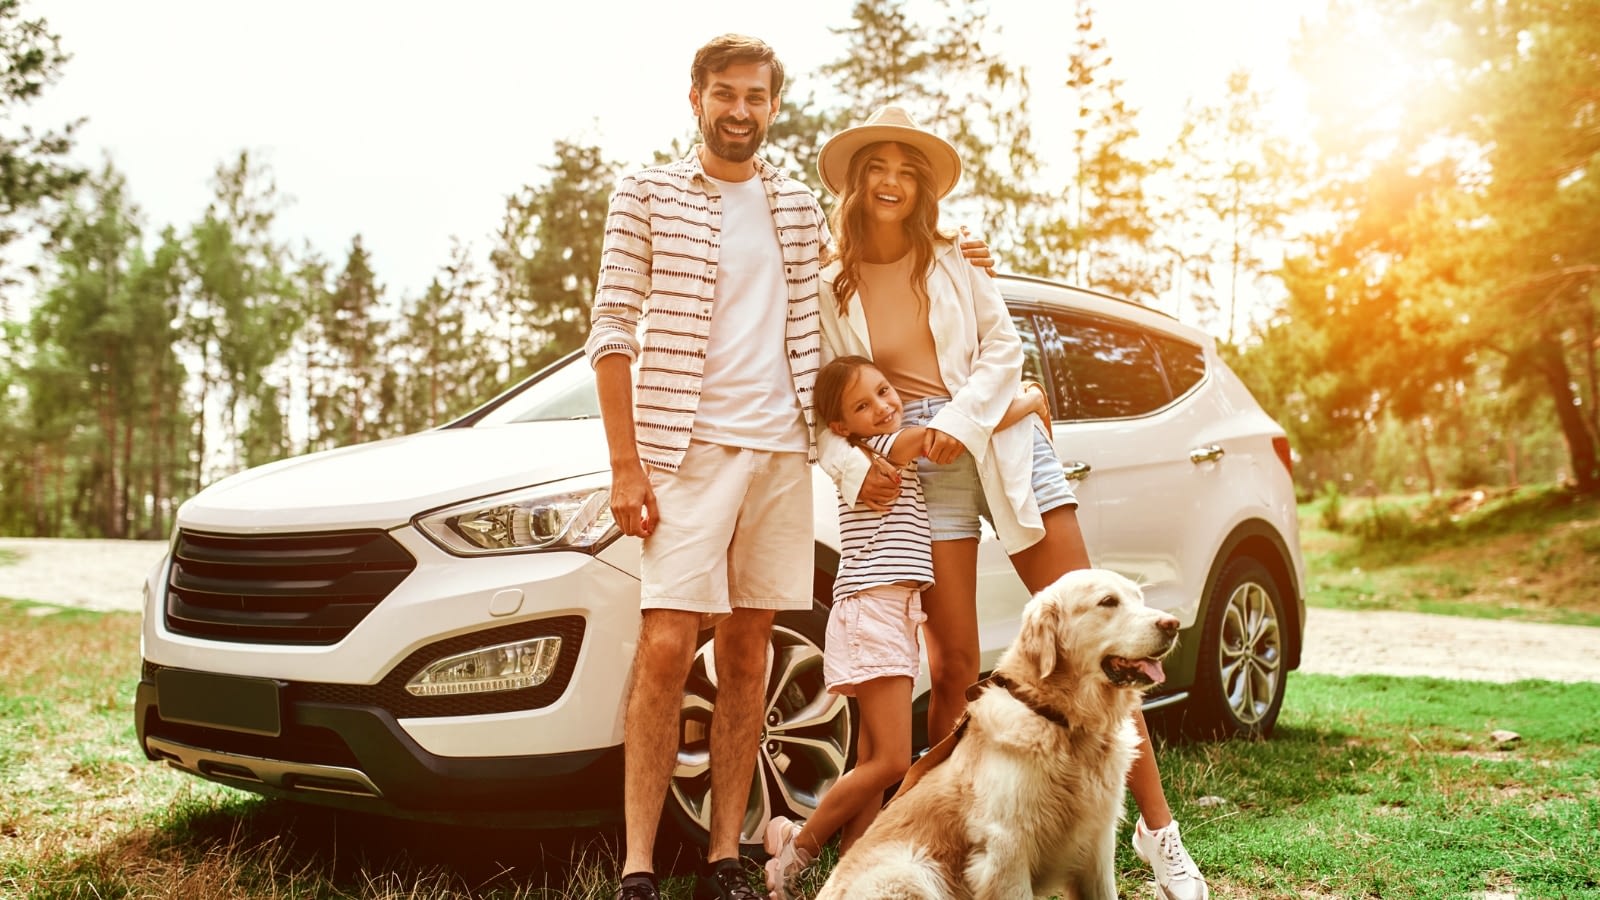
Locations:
column 849, row 224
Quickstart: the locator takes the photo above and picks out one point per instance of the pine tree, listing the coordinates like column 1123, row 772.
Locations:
column 240, row 319
column 434, row 356
column 1098, row 231
column 1241, row 174
column 546, row 256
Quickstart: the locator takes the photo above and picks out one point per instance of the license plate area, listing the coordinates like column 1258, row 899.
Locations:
column 230, row 702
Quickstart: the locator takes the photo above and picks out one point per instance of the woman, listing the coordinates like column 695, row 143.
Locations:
column 899, row 293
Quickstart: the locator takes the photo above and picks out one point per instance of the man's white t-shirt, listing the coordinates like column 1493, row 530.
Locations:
column 747, row 397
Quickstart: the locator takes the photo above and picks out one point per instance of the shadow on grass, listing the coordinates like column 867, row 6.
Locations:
column 255, row 847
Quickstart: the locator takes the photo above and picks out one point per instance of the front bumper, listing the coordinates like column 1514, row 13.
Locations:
column 359, row 757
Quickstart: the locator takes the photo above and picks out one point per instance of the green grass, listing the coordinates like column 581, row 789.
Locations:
column 1531, row 555
column 1373, row 787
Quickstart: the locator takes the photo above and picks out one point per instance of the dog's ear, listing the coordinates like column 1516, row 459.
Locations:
column 1036, row 640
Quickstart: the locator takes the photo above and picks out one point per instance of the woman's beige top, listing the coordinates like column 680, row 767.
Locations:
column 897, row 319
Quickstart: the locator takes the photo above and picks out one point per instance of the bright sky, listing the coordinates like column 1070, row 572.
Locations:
column 410, row 122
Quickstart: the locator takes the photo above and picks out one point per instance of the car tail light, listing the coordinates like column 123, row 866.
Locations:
column 1281, row 446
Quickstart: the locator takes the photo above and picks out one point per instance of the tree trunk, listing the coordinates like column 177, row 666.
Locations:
column 1581, row 450
column 157, row 437
column 1590, row 350
column 40, row 489
column 104, row 507
column 130, row 511
column 1427, row 463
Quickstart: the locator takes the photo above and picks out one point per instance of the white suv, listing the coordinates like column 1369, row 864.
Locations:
column 440, row 626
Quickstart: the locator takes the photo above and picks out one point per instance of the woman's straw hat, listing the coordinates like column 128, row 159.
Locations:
column 888, row 123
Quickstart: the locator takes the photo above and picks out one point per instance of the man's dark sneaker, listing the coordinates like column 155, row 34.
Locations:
column 725, row 881
column 638, row 886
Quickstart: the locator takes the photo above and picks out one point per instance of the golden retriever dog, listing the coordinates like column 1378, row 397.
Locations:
column 1027, row 800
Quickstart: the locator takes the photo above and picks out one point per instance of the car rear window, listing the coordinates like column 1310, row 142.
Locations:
column 1185, row 362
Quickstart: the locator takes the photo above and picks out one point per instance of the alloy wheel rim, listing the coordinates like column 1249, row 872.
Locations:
column 1251, row 653
column 805, row 737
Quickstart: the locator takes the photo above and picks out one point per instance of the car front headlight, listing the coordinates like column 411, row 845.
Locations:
column 566, row 515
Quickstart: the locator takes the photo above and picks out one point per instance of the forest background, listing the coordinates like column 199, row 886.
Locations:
column 1424, row 282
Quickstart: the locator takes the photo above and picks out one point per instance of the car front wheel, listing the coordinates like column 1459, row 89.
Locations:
column 805, row 738
column 1240, row 675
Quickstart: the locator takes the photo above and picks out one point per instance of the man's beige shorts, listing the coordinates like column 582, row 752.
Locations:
column 734, row 532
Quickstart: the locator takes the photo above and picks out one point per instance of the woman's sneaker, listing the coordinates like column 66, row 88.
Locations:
column 787, row 860
column 1177, row 877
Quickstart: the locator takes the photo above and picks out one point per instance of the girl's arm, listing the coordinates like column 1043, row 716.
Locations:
column 907, row 445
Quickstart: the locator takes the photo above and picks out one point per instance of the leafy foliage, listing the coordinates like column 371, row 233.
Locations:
column 33, row 165
column 1439, row 323
column 1462, row 257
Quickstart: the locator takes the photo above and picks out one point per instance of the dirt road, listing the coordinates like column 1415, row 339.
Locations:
column 109, row 576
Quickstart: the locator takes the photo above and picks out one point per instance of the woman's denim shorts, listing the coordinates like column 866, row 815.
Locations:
column 954, row 494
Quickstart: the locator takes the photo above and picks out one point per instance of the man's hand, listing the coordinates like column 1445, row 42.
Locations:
column 976, row 252
column 940, row 447
column 881, row 485
column 633, row 502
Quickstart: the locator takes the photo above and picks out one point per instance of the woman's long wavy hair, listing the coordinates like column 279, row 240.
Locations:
column 849, row 224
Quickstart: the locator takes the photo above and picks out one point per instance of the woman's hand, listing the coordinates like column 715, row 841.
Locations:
column 881, row 485
column 940, row 447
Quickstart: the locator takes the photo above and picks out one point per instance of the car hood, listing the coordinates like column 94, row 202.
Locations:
column 384, row 483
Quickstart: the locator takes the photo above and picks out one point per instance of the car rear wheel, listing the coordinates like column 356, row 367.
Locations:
column 1240, row 674
column 805, row 741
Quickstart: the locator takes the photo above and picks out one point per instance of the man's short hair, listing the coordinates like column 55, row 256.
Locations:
column 731, row 49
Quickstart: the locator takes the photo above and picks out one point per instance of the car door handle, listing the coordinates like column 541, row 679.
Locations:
column 1075, row 470
column 1208, row 453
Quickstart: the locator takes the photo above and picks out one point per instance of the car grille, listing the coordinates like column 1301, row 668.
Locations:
column 390, row 694
column 282, row 588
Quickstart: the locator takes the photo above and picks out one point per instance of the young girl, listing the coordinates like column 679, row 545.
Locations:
column 871, row 652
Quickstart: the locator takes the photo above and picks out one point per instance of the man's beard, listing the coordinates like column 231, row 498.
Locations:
column 732, row 151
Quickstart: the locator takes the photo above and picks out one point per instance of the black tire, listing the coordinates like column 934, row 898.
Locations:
column 805, row 743
column 1240, row 674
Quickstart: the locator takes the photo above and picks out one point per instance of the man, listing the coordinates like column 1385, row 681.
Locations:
column 719, row 252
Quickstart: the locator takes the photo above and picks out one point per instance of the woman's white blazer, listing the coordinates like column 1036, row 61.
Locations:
column 980, row 361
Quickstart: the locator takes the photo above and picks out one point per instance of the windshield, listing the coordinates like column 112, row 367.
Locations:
column 563, row 391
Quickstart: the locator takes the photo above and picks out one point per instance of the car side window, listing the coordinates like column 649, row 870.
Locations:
column 1184, row 362
column 1114, row 372
column 1032, row 353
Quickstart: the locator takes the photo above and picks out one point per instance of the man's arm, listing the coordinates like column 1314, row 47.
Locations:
column 633, row 503
column 976, row 251
column 623, row 283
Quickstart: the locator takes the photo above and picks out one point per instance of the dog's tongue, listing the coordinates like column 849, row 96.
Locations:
column 1152, row 669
